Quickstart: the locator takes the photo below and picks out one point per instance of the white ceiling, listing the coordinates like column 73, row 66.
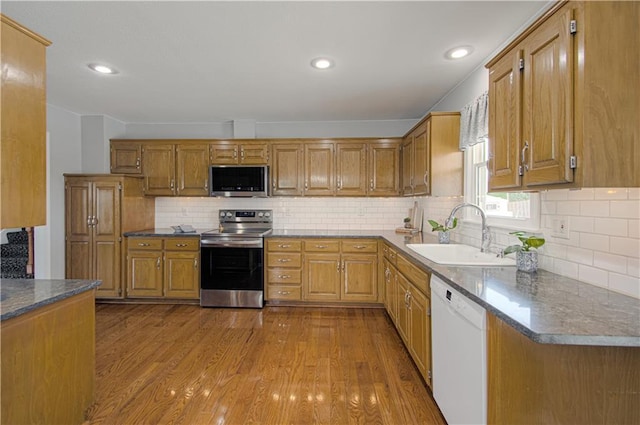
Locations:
column 204, row 61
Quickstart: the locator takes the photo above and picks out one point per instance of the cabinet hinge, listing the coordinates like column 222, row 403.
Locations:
column 521, row 64
column 573, row 26
column 573, row 162
column 429, row 311
column 429, row 373
column 120, row 186
column 520, row 170
column 119, row 239
column 119, row 291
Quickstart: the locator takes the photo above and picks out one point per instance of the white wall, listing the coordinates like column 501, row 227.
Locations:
column 64, row 156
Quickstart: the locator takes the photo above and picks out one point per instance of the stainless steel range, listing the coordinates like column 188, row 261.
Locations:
column 232, row 259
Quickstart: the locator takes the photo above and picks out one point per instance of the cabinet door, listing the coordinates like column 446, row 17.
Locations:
column 287, row 170
column 390, row 284
column 23, row 151
column 192, row 168
column 182, row 274
column 384, row 169
column 407, row 166
column 224, row 153
column 420, row 332
column 504, row 122
column 105, row 256
column 421, row 144
column 144, row 274
column 254, row 154
column 126, row 157
column 360, row 277
column 402, row 318
column 321, row 281
column 319, row 169
column 547, row 139
column 78, row 211
column 351, row 169
column 159, row 169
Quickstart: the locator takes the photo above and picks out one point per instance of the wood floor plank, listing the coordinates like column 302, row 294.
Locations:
column 186, row 365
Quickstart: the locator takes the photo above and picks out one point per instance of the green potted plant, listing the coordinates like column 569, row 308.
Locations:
column 527, row 252
column 407, row 223
column 442, row 229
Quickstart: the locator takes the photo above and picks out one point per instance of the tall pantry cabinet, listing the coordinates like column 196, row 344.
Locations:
column 98, row 210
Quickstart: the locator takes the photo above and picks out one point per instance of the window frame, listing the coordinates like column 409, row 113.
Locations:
column 531, row 224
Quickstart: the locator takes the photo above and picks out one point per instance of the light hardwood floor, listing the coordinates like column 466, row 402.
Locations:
column 181, row 364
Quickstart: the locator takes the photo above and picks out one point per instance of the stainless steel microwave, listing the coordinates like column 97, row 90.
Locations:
column 239, row 181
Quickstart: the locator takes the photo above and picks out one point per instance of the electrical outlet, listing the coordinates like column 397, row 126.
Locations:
column 184, row 212
column 560, row 227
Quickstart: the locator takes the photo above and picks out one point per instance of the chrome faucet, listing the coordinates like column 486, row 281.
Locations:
column 486, row 235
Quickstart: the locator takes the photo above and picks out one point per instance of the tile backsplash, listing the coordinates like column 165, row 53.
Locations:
column 603, row 245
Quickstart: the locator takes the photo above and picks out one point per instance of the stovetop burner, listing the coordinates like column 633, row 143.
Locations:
column 242, row 223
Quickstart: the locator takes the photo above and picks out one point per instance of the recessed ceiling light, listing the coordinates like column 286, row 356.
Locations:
column 458, row 52
column 103, row 69
column 322, row 63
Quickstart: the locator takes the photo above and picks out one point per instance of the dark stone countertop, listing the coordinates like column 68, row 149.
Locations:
column 164, row 232
column 20, row 296
column 546, row 307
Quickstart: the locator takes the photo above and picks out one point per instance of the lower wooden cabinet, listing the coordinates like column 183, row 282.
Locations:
column 331, row 270
column 409, row 306
column 163, row 267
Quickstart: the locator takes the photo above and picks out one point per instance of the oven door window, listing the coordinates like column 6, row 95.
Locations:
column 231, row 268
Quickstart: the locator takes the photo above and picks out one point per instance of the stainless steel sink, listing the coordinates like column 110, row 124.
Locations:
column 460, row 255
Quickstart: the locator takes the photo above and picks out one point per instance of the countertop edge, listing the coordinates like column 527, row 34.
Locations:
column 67, row 294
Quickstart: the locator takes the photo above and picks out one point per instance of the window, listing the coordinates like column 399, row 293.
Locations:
column 519, row 210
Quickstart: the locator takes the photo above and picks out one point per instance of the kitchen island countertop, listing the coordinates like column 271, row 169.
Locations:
column 545, row 307
column 20, row 296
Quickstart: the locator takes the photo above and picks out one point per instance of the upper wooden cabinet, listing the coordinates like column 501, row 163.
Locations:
column 23, row 115
column 431, row 157
column 336, row 167
column 126, row 157
column 192, row 171
column 564, row 101
column 159, row 168
column 239, row 153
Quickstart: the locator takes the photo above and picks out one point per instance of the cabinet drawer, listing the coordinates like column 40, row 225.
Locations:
column 284, row 276
column 284, row 259
column 419, row 278
column 322, row 245
column 360, row 245
column 277, row 292
column 284, row 245
column 182, row 244
column 389, row 253
column 144, row 243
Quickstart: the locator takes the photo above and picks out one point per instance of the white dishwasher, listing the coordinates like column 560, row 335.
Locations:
column 459, row 355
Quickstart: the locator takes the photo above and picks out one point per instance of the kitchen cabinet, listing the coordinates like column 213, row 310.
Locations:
column 409, row 307
column 340, row 270
column 163, row 267
column 431, row 159
column 319, row 169
column 555, row 107
column 351, row 169
column 23, row 114
column 98, row 210
column 286, row 169
column 170, row 169
column 384, row 168
column 284, row 269
column 239, row 153
column 126, row 157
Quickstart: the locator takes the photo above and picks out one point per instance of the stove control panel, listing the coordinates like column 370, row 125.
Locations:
column 246, row 216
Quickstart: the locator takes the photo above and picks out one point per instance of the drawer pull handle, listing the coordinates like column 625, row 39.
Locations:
column 284, row 292
column 321, row 246
column 195, row 263
column 284, row 276
column 282, row 245
column 359, row 246
column 181, row 245
column 158, row 263
column 143, row 244
column 284, row 260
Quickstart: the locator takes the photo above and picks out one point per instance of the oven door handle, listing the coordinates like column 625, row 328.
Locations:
column 232, row 244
